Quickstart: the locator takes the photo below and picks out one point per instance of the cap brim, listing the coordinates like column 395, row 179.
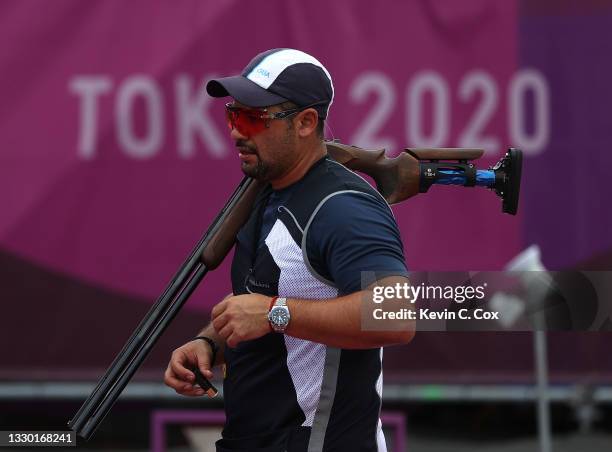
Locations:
column 243, row 90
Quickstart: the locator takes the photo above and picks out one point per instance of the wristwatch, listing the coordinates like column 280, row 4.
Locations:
column 279, row 315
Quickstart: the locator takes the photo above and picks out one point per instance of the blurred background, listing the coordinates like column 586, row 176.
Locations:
column 113, row 161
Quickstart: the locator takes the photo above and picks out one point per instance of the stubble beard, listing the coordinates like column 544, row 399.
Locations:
column 277, row 163
column 257, row 171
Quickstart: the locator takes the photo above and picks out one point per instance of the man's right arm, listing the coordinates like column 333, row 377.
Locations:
column 179, row 375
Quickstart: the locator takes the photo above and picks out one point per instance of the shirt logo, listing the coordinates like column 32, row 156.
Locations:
column 263, row 72
column 252, row 282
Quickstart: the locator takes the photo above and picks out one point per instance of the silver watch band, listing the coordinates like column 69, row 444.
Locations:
column 280, row 301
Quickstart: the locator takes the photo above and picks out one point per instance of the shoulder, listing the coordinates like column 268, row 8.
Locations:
column 352, row 221
column 351, row 233
column 339, row 188
column 348, row 179
column 351, row 208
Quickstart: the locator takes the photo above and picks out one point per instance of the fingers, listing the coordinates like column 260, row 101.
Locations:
column 219, row 308
column 219, row 322
column 231, row 335
column 176, row 381
column 185, row 389
column 204, row 365
column 196, row 391
column 178, row 374
column 226, row 331
column 178, row 363
column 234, row 339
column 171, row 380
column 182, row 387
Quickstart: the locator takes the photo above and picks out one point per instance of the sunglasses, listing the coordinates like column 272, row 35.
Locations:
column 251, row 121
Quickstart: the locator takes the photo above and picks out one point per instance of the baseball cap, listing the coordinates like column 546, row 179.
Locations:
column 276, row 76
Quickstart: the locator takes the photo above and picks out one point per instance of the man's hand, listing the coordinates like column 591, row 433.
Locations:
column 179, row 376
column 241, row 318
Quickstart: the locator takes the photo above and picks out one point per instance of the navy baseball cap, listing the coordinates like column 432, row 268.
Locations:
column 277, row 76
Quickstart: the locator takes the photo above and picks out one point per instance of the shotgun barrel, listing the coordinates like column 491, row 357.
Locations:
column 207, row 255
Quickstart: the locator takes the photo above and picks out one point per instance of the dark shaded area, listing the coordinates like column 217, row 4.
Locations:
column 598, row 262
column 484, row 421
column 128, row 425
column 62, row 328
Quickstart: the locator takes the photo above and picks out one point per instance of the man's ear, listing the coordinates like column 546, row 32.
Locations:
column 307, row 121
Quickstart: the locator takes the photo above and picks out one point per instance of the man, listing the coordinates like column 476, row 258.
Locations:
column 300, row 372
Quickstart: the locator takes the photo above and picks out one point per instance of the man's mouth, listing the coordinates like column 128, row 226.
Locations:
column 244, row 147
column 245, row 153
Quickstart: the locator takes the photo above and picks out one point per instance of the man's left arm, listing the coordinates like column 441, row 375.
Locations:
column 335, row 322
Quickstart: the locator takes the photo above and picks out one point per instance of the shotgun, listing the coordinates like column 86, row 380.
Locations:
column 413, row 171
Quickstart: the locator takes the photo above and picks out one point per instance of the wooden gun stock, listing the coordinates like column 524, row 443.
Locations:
column 223, row 236
column 397, row 179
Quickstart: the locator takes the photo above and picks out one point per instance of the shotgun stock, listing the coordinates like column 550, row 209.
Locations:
column 397, row 179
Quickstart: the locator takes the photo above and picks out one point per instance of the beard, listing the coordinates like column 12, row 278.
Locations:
column 259, row 170
column 279, row 158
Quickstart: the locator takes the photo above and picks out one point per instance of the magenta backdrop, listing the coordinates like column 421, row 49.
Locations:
column 113, row 161
column 121, row 211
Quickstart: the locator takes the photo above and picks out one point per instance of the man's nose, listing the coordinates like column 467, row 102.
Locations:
column 237, row 135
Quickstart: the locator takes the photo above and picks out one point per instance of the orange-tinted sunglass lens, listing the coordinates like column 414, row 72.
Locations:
column 247, row 122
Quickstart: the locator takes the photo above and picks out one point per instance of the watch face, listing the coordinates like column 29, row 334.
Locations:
column 279, row 316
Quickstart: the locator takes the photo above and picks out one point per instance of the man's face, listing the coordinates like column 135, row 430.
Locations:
column 269, row 154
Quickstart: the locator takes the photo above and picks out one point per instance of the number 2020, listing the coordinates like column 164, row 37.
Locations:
column 522, row 82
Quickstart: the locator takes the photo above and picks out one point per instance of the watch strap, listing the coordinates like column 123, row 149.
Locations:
column 272, row 301
column 214, row 347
